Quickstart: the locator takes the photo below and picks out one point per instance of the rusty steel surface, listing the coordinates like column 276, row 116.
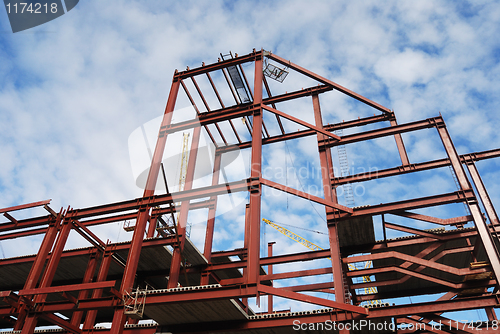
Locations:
column 187, row 290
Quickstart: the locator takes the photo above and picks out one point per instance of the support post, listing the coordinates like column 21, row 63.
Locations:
column 490, row 312
column 38, row 264
column 401, row 146
column 152, row 226
column 175, row 266
column 209, row 236
column 483, row 194
column 97, row 293
column 482, row 229
column 76, row 318
column 134, row 253
column 253, row 262
column 330, row 195
column 270, row 305
column 48, row 275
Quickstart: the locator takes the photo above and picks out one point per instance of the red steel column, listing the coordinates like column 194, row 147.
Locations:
column 400, row 145
column 490, row 311
column 142, row 218
column 270, row 306
column 76, row 318
column 175, row 266
column 483, row 194
column 38, row 264
column 482, row 229
column 330, row 195
column 152, row 227
column 253, row 264
column 50, row 271
column 245, row 246
column 97, row 293
column 209, row 236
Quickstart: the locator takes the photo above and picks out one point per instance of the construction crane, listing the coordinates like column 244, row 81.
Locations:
column 165, row 226
column 313, row 246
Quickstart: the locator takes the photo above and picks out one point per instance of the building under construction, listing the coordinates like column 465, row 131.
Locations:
column 160, row 282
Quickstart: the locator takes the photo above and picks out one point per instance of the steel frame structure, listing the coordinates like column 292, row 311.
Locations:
column 422, row 263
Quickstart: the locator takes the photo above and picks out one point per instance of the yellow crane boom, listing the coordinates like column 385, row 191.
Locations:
column 313, row 246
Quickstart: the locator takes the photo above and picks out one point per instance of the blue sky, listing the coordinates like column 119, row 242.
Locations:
column 74, row 89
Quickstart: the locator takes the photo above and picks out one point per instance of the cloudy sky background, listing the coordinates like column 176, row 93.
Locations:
column 73, row 90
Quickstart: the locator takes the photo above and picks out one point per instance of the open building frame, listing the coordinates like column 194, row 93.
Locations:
column 204, row 291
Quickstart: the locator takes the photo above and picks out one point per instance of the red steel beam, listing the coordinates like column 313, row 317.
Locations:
column 25, row 206
column 407, row 258
column 413, row 231
column 62, row 323
column 217, row 66
column 305, row 195
column 309, row 287
column 153, row 242
column 67, row 288
column 305, row 133
column 368, row 272
column 435, row 306
column 440, row 221
column 279, row 259
column 312, row 300
column 328, row 82
column 416, row 203
column 377, row 174
column 205, row 119
column 301, row 122
column 238, row 111
column 154, row 201
column 388, row 131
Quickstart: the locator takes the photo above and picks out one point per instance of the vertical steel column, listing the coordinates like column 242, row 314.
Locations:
column 483, row 194
column 48, row 275
column 209, row 236
column 97, row 293
column 482, row 229
column 142, row 218
column 401, row 146
column 253, row 263
column 38, row 264
column 330, row 195
column 270, row 305
column 245, row 245
column 152, row 227
column 490, row 312
column 76, row 318
column 175, row 266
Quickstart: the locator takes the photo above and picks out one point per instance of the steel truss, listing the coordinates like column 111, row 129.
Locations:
column 461, row 264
